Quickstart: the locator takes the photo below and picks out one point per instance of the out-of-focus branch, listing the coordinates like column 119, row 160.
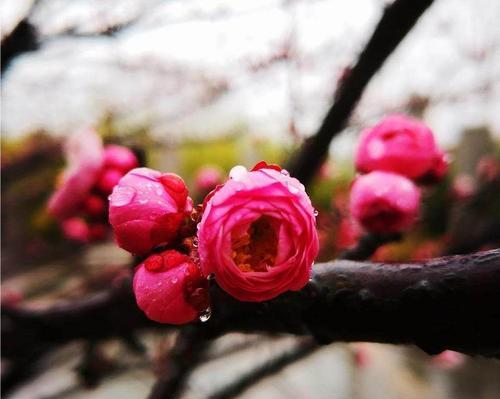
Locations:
column 481, row 216
column 188, row 350
column 444, row 303
column 303, row 348
column 396, row 22
column 367, row 245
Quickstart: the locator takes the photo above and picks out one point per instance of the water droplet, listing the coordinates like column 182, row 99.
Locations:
column 316, row 213
column 122, row 196
column 285, row 172
column 159, row 191
column 211, row 277
column 292, row 189
column 205, row 315
column 143, row 201
column 195, row 242
column 174, row 280
column 238, row 173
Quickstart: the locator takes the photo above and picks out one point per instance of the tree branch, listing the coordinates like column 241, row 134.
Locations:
column 446, row 303
column 396, row 22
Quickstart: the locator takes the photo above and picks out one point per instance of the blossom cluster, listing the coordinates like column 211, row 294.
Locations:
column 255, row 235
column 79, row 203
column 394, row 156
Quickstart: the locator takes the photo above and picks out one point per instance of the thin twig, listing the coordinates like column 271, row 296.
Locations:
column 397, row 20
column 304, row 348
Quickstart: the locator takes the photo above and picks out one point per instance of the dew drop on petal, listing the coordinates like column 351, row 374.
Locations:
column 174, row 280
column 143, row 201
column 316, row 213
column 238, row 173
column 205, row 315
column 122, row 196
column 292, row 189
column 211, row 276
column 285, row 172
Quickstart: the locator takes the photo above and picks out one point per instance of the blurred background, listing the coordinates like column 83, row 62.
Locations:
column 199, row 85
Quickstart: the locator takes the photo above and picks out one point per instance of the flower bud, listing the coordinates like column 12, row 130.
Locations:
column 120, row 158
column 75, row 229
column 401, row 145
column 207, row 178
column 94, row 205
column 147, row 208
column 169, row 288
column 108, row 180
column 384, row 202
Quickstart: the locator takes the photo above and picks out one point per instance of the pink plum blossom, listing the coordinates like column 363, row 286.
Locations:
column 120, row 158
column 108, row 179
column 75, row 229
column 169, row 288
column 400, row 144
column 147, row 208
column 207, row 178
column 258, row 234
column 84, row 154
column 384, row 202
column 95, row 205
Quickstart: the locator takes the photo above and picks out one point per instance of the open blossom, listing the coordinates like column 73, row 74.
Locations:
column 384, row 202
column 169, row 288
column 147, row 208
column 84, row 153
column 258, row 234
column 403, row 145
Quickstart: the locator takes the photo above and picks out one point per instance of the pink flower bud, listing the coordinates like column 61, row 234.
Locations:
column 76, row 229
column 384, row 202
column 98, row 231
column 398, row 144
column 169, row 288
column 207, row 178
column 448, row 360
column 85, row 156
column 108, row 180
column 95, row 205
column 147, row 208
column 258, row 234
column 119, row 157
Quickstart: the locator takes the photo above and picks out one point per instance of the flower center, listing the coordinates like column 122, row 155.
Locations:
column 256, row 249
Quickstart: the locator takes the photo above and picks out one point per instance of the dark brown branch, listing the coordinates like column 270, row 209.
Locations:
column 396, row 22
column 367, row 245
column 304, row 348
column 445, row 303
column 188, row 350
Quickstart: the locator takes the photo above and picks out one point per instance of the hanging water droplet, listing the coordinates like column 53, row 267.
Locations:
column 195, row 242
column 205, row 315
column 211, row 277
column 316, row 213
column 174, row 280
column 285, row 172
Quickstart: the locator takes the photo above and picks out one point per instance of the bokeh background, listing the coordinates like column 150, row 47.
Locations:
column 223, row 82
